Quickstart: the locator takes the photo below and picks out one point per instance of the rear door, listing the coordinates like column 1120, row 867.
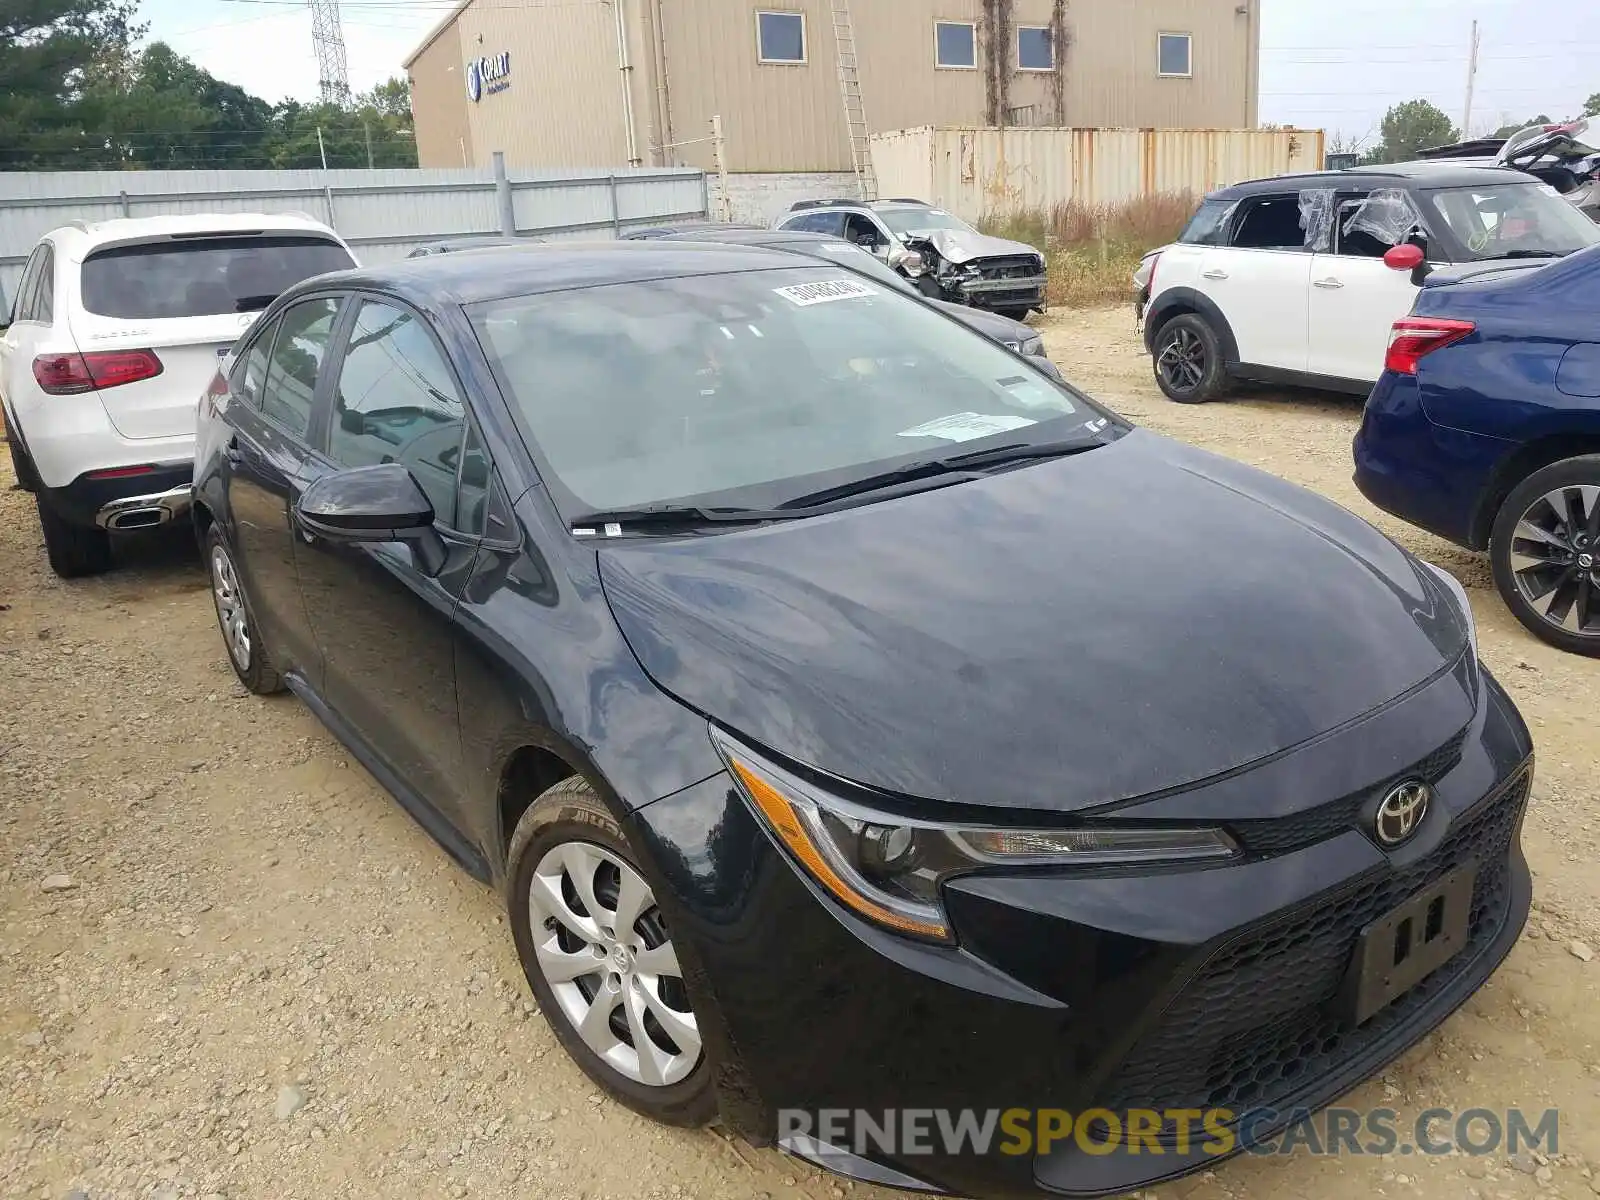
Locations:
column 1355, row 298
column 1260, row 280
column 269, row 463
column 189, row 298
column 18, row 343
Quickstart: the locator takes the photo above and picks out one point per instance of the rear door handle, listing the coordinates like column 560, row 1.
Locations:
column 1330, row 284
column 1214, row 273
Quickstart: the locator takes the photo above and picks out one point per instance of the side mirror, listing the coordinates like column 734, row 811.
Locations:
column 380, row 503
column 1408, row 256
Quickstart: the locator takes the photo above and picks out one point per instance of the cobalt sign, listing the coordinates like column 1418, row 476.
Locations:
column 488, row 75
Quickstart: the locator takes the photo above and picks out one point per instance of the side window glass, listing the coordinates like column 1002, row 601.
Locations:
column 44, row 302
column 1355, row 242
column 472, row 492
column 397, row 402
column 297, row 356
column 250, row 372
column 857, row 227
column 1270, row 223
column 23, row 308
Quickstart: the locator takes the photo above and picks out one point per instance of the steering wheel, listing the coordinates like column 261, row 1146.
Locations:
column 1479, row 241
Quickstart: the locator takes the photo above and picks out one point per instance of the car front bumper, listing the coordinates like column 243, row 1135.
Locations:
column 1164, row 989
column 1024, row 292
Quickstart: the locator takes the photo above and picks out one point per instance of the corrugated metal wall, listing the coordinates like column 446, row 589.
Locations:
column 383, row 214
column 978, row 172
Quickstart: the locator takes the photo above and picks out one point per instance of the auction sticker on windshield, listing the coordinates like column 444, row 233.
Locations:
column 825, row 290
column 964, row 427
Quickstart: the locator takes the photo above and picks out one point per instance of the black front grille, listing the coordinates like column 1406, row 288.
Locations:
column 1279, row 834
column 1258, row 1021
column 1008, row 268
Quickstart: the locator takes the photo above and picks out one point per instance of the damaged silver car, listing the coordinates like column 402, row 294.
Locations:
column 944, row 256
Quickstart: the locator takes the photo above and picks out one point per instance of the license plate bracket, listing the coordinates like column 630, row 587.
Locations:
column 1408, row 943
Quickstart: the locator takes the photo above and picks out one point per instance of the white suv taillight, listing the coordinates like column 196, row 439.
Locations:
column 74, row 374
column 1145, row 276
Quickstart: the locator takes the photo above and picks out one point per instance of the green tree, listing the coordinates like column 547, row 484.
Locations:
column 1410, row 127
column 51, row 51
column 1591, row 106
column 392, row 98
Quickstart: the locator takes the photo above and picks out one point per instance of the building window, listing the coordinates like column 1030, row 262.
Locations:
column 955, row 44
column 781, row 37
column 1036, row 49
column 1175, row 55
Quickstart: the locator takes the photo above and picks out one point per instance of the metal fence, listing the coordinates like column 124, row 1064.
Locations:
column 382, row 214
column 978, row 172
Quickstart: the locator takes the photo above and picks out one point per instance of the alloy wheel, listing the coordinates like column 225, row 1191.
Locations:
column 230, row 608
column 1182, row 361
column 1555, row 558
column 602, row 946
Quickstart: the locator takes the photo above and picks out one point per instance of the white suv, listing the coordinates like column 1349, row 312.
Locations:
column 116, row 331
column 1284, row 280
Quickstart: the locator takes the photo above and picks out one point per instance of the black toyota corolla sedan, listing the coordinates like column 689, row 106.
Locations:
column 853, row 717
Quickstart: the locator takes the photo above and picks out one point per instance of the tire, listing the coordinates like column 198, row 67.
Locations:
column 1545, row 552
column 1015, row 314
column 1188, row 361
column 73, row 550
column 565, row 844
column 26, row 479
column 241, row 636
column 929, row 287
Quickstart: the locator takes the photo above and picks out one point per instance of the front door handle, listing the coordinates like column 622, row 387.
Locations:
column 1329, row 284
column 1214, row 273
column 232, row 452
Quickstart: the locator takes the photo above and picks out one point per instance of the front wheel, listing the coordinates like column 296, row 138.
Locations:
column 599, row 956
column 1015, row 314
column 1545, row 551
column 1188, row 360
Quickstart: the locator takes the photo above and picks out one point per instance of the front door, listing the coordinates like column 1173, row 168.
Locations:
column 383, row 624
column 1259, row 281
column 1355, row 298
column 20, row 340
column 267, row 467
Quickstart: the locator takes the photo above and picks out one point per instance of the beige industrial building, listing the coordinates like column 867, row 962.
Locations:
column 584, row 83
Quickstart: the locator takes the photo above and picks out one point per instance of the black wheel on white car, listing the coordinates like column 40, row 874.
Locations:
column 600, row 959
column 1545, row 551
column 73, row 550
column 240, row 636
column 1015, row 314
column 20, row 464
column 1188, row 360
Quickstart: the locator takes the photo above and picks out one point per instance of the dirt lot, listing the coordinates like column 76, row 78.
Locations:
column 263, row 980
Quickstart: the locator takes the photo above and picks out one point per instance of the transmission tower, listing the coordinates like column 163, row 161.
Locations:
column 333, row 73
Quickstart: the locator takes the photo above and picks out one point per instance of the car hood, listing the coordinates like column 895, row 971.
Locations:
column 991, row 325
column 960, row 246
column 1058, row 637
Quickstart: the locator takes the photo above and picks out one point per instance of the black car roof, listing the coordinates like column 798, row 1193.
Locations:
column 757, row 237
column 494, row 274
column 1408, row 174
column 457, row 245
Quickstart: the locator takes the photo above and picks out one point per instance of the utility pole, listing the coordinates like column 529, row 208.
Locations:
column 1472, row 80
column 321, row 149
column 366, row 131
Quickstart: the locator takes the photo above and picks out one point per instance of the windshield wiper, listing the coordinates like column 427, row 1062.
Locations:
column 932, row 468
column 676, row 515
column 1532, row 254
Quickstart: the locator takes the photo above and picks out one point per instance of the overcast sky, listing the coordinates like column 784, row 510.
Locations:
column 1332, row 64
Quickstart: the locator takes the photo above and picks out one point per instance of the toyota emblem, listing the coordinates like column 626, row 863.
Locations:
column 1402, row 811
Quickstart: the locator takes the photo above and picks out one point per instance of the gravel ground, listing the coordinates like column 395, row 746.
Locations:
column 232, row 967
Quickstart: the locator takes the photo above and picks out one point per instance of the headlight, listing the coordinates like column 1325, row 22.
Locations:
column 889, row 868
column 912, row 264
column 1033, row 345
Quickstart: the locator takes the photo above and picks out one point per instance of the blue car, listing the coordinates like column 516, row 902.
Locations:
column 1485, row 429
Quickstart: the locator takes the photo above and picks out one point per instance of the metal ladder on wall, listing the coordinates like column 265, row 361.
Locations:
column 855, row 112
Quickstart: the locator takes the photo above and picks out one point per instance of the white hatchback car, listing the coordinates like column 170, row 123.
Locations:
column 116, row 331
column 1284, row 280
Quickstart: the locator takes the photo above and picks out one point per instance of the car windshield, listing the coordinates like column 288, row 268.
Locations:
column 1512, row 220
column 753, row 389
column 902, row 221
column 204, row 276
